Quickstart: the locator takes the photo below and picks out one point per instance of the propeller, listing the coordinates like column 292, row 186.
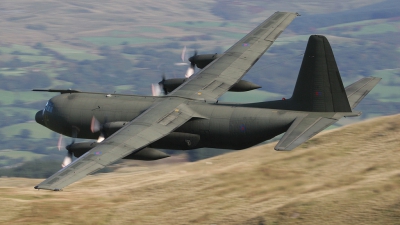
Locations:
column 96, row 126
column 60, row 142
column 183, row 57
column 68, row 158
column 190, row 70
column 157, row 88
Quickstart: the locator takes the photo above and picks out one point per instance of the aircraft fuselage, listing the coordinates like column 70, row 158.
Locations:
column 227, row 126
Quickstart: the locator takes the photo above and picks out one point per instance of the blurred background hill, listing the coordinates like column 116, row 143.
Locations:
column 124, row 46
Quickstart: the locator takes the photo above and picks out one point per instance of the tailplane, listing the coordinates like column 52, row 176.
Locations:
column 319, row 88
column 358, row 90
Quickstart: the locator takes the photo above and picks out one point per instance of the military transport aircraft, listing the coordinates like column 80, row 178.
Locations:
column 190, row 116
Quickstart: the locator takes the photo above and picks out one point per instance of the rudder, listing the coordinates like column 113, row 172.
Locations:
column 319, row 87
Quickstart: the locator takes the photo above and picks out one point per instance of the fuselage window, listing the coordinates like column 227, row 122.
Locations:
column 49, row 107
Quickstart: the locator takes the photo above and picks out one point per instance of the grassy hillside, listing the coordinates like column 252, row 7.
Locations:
column 349, row 175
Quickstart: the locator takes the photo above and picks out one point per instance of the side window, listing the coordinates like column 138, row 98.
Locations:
column 49, row 107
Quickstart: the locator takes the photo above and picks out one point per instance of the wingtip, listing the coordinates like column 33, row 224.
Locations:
column 279, row 148
column 283, row 149
column 38, row 188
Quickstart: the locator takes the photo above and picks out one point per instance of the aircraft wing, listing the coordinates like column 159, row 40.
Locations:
column 302, row 129
column 215, row 79
column 155, row 123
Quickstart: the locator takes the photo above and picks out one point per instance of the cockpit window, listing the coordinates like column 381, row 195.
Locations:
column 49, row 107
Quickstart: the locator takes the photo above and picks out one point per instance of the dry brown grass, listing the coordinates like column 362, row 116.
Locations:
column 349, row 175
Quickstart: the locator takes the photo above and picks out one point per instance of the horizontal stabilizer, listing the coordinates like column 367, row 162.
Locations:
column 302, row 129
column 358, row 90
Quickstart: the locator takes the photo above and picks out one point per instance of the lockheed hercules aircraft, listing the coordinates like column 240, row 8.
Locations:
column 189, row 116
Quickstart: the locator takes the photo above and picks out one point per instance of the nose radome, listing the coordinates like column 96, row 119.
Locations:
column 39, row 117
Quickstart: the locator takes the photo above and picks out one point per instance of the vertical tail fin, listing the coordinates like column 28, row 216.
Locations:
column 319, row 87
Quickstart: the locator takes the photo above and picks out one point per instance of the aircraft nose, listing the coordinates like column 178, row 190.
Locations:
column 39, row 117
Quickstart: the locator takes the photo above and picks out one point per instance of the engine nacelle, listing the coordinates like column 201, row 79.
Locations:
column 171, row 84
column 202, row 61
column 147, row 154
column 174, row 140
column 178, row 141
column 243, row 85
column 112, row 127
